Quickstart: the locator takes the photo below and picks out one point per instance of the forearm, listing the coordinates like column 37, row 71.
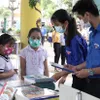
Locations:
column 22, row 74
column 46, row 71
column 96, row 70
column 7, row 74
column 58, row 75
column 81, row 66
column 23, row 67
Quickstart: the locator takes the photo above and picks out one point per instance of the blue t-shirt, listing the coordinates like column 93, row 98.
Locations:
column 43, row 31
column 77, row 51
column 93, row 57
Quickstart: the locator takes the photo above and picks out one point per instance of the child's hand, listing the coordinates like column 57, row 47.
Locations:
column 16, row 71
column 58, row 75
column 62, row 80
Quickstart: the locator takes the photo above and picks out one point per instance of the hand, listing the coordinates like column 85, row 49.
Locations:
column 82, row 73
column 58, row 75
column 16, row 71
column 62, row 80
column 71, row 67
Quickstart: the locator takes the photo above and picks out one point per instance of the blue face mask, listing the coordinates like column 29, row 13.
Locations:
column 35, row 43
column 60, row 29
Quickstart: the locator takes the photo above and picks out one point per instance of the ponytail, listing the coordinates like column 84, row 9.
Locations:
column 72, row 30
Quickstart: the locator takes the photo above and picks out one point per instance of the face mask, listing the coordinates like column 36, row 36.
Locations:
column 87, row 25
column 34, row 43
column 60, row 29
column 8, row 50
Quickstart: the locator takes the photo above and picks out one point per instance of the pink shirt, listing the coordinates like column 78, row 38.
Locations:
column 34, row 60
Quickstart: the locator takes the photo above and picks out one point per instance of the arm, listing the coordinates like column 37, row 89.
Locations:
column 46, row 71
column 62, row 80
column 58, row 75
column 78, row 55
column 23, row 67
column 8, row 74
column 84, row 73
column 81, row 66
column 96, row 70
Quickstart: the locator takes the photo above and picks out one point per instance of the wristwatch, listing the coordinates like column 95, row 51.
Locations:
column 91, row 72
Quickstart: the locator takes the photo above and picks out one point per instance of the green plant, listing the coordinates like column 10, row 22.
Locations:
column 10, row 29
column 17, row 31
column 33, row 3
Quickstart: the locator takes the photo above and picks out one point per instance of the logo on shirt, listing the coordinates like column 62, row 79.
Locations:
column 68, row 52
column 96, row 45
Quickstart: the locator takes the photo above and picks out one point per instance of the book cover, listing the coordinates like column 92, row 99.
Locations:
column 18, row 83
column 37, row 78
column 35, row 93
column 6, row 92
column 61, row 67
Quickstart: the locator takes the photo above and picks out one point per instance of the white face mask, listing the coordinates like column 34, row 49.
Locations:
column 60, row 29
column 85, row 23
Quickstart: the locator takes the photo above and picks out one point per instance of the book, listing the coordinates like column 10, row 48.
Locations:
column 36, row 93
column 37, row 79
column 18, row 83
column 6, row 92
column 61, row 67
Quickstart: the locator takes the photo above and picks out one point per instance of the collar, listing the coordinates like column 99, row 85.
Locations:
column 4, row 57
column 97, row 28
column 39, row 49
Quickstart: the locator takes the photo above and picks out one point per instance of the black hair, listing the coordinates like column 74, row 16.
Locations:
column 54, row 28
column 61, row 15
column 33, row 30
column 83, row 6
column 6, row 38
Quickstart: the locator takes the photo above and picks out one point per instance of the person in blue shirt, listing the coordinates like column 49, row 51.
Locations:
column 43, row 32
column 88, row 12
column 76, row 46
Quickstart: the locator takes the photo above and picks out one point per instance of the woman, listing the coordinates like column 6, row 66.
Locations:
column 76, row 47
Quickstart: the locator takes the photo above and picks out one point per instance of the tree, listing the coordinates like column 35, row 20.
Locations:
column 4, row 13
column 49, row 6
column 69, row 3
column 33, row 4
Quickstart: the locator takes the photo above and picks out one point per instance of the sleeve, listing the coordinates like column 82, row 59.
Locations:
column 23, row 54
column 2, row 65
column 76, row 52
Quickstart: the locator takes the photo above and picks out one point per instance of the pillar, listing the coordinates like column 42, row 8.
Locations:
column 29, row 16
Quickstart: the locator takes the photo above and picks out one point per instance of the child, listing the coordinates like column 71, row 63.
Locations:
column 33, row 57
column 7, row 71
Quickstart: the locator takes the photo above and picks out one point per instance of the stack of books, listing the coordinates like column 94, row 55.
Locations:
column 18, row 83
column 37, row 79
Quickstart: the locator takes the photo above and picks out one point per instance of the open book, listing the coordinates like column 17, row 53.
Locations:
column 35, row 93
